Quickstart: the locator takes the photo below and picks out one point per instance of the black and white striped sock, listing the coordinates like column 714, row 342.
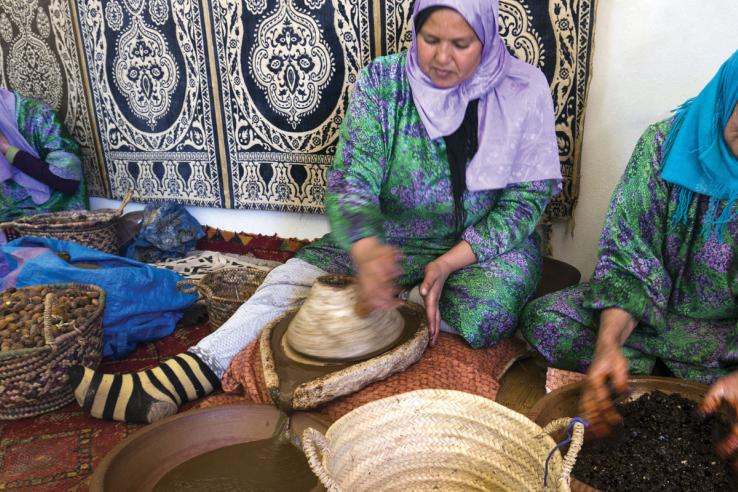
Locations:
column 144, row 396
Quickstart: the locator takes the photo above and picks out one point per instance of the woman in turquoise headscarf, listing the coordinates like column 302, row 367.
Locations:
column 666, row 283
column 40, row 168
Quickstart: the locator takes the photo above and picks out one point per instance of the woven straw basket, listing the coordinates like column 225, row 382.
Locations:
column 34, row 380
column 92, row 228
column 224, row 291
column 438, row 440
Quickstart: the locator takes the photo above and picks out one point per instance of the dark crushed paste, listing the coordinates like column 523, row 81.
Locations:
column 662, row 444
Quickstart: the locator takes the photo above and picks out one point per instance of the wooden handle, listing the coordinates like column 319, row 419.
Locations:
column 126, row 199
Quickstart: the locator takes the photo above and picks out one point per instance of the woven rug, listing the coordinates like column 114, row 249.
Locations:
column 273, row 248
column 451, row 364
column 58, row 451
column 556, row 378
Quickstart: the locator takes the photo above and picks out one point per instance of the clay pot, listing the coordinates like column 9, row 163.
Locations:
column 564, row 402
column 328, row 327
column 140, row 461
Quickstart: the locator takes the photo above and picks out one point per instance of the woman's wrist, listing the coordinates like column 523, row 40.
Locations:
column 9, row 152
column 364, row 248
column 458, row 257
column 616, row 325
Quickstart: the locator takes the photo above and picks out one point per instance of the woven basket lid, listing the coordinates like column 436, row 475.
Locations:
column 328, row 327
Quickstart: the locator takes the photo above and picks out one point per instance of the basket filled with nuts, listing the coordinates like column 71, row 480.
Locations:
column 45, row 330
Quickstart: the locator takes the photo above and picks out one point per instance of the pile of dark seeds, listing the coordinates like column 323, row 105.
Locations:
column 661, row 445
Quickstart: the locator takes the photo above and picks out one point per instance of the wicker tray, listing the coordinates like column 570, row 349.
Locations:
column 224, row 291
column 34, row 380
column 92, row 228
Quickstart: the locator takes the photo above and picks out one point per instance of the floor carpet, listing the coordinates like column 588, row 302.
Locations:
column 59, row 450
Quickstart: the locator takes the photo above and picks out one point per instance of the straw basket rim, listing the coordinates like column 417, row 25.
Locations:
column 81, row 220
column 447, row 396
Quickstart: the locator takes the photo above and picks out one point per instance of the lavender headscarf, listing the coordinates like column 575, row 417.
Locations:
column 9, row 127
column 517, row 139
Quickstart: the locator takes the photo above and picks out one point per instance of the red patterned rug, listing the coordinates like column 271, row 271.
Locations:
column 265, row 247
column 59, row 450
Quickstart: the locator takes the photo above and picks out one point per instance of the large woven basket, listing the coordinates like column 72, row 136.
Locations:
column 92, row 228
column 34, row 380
column 438, row 440
column 224, row 291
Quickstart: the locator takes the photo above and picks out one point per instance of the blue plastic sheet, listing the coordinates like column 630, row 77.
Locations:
column 142, row 301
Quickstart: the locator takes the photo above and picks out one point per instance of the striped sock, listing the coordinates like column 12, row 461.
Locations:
column 144, row 396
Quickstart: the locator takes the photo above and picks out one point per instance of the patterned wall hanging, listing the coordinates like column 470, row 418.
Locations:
column 147, row 66
column 39, row 58
column 286, row 69
column 237, row 104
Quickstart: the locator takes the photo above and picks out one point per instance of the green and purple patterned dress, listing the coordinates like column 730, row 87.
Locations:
column 44, row 131
column 681, row 286
column 390, row 180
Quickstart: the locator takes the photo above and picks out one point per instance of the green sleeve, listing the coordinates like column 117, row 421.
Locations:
column 355, row 179
column 45, row 132
column 630, row 272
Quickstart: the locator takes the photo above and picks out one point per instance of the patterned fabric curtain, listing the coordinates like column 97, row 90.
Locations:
column 39, row 57
column 237, row 103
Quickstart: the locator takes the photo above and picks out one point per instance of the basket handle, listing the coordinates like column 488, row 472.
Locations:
column 126, row 199
column 315, row 445
column 188, row 286
column 192, row 286
column 48, row 337
column 577, row 439
column 5, row 225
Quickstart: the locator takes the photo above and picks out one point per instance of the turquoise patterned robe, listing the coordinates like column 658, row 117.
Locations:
column 390, row 180
column 44, row 131
column 679, row 285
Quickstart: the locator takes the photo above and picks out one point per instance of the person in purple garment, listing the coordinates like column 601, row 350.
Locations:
column 40, row 167
column 446, row 159
column 665, row 289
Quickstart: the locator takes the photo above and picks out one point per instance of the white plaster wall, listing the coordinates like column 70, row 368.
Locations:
column 650, row 55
